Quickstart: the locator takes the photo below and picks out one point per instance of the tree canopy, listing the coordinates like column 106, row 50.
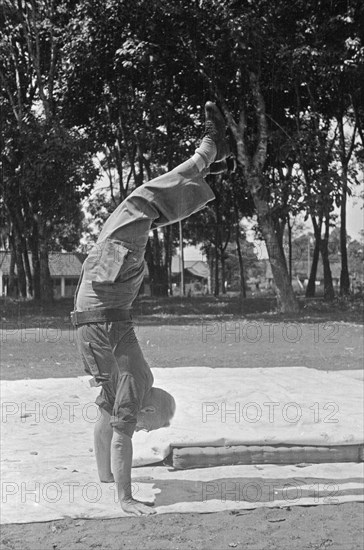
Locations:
column 127, row 79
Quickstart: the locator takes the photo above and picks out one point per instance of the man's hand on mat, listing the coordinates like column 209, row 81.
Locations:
column 136, row 508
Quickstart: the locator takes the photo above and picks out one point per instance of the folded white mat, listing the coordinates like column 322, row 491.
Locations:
column 293, row 406
column 48, row 464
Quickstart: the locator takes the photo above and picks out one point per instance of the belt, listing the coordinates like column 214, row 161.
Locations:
column 99, row 316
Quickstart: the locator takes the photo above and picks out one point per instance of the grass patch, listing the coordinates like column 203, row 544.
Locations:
column 177, row 310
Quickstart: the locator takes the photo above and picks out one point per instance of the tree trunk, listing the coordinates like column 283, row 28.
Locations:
column 168, row 256
column 289, row 228
column 344, row 275
column 217, row 278
column 22, row 281
column 46, row 284
column 35, row 262
column 287, row 301
column 241, row 262
column 223, row 248
column 252, row 164
column 223, row 272
column 17, row 243
column 345, row 155
column 311, row 285
column 211, row 260
column 160, row 283
column 12, row 288
column 27, row 270
column 286, row 298
column 329, row 293
column 150, row 263
column 242, row 294
column 217, row 244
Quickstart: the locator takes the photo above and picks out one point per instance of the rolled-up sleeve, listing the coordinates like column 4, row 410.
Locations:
column 128, row 402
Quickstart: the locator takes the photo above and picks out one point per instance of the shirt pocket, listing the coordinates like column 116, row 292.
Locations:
column 106, row 261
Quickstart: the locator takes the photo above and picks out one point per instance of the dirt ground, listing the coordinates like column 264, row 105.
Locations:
column 312, row 528
column 37, row 342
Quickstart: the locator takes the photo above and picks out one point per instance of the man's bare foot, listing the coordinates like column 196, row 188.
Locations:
column 135, row 508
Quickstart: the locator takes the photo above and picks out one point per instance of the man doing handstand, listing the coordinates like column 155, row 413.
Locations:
column 109, row 283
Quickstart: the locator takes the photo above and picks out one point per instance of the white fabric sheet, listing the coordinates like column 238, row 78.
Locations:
column 48, row 463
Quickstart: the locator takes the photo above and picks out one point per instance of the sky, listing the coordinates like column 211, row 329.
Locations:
column 355, row 216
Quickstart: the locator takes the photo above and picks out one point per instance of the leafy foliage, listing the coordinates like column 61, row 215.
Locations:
column 127, row 79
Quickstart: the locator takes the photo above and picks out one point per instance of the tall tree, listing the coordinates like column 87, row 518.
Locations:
column 134, row 107
column 248, row 36
column 328, row 66
column 47, row 170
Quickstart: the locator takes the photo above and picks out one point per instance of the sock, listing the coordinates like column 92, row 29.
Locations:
column 205, row 153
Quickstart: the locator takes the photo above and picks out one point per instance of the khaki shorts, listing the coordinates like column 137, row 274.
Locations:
column 111, row 354
column 96, row 349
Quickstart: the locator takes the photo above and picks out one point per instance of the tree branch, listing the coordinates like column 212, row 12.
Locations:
column 17, row 80
column 11, row 99
column 27, row 27
column 53, row 60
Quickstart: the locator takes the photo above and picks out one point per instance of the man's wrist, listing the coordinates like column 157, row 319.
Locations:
column 124, row 492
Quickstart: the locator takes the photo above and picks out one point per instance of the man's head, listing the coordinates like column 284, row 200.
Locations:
column 158, row 409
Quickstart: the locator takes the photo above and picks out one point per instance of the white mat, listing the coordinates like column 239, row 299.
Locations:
column 48, row 464
column 44, row 492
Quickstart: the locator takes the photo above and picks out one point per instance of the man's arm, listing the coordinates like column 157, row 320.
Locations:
column 103, row 433
column 121, row 461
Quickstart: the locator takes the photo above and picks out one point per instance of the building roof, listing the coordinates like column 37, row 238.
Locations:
column 69, row 264
column 66, row 264
column 61, row 264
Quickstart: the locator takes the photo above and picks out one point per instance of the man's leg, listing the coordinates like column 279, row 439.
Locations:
column 184, row 191
column 95, row 350
column 162, row 201
column 173, row 196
